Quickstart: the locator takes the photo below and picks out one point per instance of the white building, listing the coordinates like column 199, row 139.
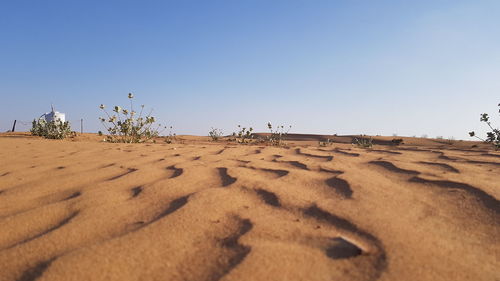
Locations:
column 54, row 116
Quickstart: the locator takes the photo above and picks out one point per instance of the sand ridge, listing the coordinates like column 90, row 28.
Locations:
column 197, row 210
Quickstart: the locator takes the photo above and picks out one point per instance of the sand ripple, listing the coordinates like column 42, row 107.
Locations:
column 203, row 211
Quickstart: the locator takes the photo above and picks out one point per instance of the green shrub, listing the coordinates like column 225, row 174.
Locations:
column 397, row 141
column 244, row 135
column 276, row 137
column 171, row 137
column 328, row 142
column 38, row 128
column 493, row 136
column 51, row 130
column 124, row 126
column 363, row 141
column 215, row 134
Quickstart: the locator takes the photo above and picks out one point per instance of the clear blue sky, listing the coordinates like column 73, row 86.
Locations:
column 347, row 67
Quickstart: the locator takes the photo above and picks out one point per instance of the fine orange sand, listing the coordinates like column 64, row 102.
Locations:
column 196, row 210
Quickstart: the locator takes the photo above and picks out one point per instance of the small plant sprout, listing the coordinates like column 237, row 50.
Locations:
column 123, row 126
column 493, row 136
column 276, row 137
column 215, row 134
column 363, row 141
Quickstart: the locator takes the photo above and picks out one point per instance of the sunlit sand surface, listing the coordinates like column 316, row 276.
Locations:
column 198, row 210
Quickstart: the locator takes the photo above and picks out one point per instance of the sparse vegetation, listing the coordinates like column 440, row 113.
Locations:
column 215, row 134
column 325, row 143
column 243, row 135
column 276, row 137
column 125, row 126
column 51, row 130
column 363, row 141
column 397, row 141
column 171, row 137
column 493, row 136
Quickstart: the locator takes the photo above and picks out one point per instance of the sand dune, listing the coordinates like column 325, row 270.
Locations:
column 197, row 210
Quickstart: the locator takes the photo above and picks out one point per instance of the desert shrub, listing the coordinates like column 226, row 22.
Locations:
column 125, row 126
column 424, row 136
column 439, row 137
column 244, row 135
column 232, row 137
column 492, row 136
column 397, row 141
column 171, row 137
column 363, row 141
column 38, row 128
column 276, row 137
column 51, row 130
column 215, row 134
column 325, row 143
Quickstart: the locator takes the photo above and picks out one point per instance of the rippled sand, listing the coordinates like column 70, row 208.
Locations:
column 196, row 210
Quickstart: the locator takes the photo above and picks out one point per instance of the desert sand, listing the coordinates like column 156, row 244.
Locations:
column 80, row 209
